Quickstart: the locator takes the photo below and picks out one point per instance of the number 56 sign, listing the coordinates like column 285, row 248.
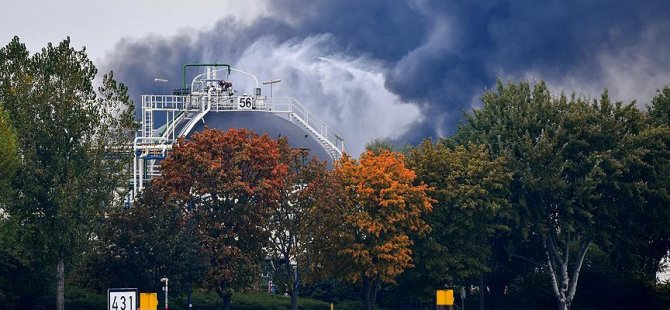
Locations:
column 122, row 299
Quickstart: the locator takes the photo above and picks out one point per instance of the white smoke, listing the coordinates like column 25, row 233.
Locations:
column 347, row 93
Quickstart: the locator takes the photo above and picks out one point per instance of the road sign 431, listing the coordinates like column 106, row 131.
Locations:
column 122, row 299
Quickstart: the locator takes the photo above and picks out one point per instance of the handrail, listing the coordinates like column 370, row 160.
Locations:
column 216, row 102
column 293, row 106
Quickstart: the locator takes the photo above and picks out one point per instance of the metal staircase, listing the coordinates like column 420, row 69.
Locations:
column 296, row 113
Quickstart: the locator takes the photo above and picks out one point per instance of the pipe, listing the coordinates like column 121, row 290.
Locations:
column 183, row 80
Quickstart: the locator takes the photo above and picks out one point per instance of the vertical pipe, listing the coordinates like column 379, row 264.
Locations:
column 141, row 172
column 134, row 174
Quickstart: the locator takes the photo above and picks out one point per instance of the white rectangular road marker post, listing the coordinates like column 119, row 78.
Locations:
column 122, row 299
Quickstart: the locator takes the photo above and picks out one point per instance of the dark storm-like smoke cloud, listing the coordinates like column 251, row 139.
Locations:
column 436, row 55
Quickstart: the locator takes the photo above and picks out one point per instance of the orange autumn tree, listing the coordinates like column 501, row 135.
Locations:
column 228, row 184
column 383, row 210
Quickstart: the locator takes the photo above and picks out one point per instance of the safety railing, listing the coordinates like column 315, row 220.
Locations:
column 291, row 106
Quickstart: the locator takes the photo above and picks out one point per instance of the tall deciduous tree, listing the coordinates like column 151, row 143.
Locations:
column 230, row 182
column 289, row 226
column 382, row 210
column 66, row 134
column 12, row 264
column 573, row 168
column 138, row 246
column 471, row 192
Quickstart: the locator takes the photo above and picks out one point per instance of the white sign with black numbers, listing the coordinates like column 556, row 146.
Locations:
column 122, row 299
column 244, row 103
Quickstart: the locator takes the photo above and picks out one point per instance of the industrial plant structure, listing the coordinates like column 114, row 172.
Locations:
column 212, row 100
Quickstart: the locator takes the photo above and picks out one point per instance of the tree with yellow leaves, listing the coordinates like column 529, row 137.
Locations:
column 382, row 209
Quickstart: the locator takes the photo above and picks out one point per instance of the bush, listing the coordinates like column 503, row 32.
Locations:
column 81, row 299
column 350, row 305
column 247, row 301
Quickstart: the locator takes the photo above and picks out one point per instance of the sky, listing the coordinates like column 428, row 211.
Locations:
column 401, row 70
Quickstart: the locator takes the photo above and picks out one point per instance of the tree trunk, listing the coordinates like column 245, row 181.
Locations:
column 368, row 293
column 564, row 283
column 371, row 286
column 294, row 300
column 294, row 289
column 375, row 289
column 226, row 295
column 226, row 302
column 60, row 286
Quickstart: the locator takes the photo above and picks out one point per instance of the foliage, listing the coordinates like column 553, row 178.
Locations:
column 9, row 160
column 20, row 275
column 245, row 301
column 470, row 194
column 659, row 110
column 82, row 299
column 229, row 183
column 379, row 145
column 382, row 209
column 290, row 223
column 260, row 301
column 65, row 133
column 140, row 245
column 575, row 168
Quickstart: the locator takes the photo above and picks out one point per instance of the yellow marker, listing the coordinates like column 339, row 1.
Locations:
column 148, row 301
column 445, row 297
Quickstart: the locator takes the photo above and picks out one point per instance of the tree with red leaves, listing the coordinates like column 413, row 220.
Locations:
column 228, row 183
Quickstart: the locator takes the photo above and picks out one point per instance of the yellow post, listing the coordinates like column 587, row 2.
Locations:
column 331, row 306
column 445, row 298
column 148, row 301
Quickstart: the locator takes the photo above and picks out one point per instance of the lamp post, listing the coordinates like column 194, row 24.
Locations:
column 162, row 81
column 270, row 82
column 165, row 288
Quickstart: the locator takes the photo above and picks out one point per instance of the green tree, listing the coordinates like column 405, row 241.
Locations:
column 9, row 160
column 138, row 246
column 12, row 264
column 471, row 192
column 572, row 164
column 659, row 110
column 66, row 134
column 643, row 237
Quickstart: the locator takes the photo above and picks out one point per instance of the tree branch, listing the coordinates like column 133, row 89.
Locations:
column 527, row 260
column 554, row 282
column 583, row 248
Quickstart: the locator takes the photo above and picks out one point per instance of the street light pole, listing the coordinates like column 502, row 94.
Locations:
column 165, row 288
column 270, row 82
column 162, row 81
